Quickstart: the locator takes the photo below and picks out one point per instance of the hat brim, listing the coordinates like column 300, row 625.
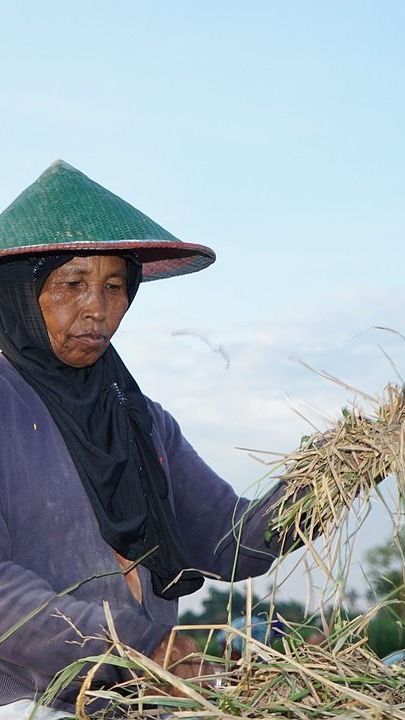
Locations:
column 159, row 259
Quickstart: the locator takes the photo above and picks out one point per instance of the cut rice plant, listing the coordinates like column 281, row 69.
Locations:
column 340, row 678
column 329, row 470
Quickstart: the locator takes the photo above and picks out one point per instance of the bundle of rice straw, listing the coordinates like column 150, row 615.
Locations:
column 313, row 682
column 340, row 679
column 329, row 470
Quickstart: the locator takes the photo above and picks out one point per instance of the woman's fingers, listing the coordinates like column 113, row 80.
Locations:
column 183, row 661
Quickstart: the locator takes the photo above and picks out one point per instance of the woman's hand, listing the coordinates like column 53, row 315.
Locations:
column 184, row 660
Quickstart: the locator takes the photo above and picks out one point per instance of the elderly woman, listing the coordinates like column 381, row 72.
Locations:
column 93, row 474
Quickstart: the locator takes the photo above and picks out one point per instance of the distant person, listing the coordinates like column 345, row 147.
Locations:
column 259, row 628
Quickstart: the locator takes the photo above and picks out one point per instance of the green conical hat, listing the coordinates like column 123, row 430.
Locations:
column 66, row 210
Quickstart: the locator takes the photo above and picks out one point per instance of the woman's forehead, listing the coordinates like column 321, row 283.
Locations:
column 98, row 264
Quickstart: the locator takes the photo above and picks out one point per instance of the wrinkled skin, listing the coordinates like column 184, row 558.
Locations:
column 83, row 303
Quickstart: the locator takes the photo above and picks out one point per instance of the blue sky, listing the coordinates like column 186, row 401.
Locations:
column 272, row 132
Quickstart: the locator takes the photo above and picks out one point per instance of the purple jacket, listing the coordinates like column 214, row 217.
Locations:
column 49, row 540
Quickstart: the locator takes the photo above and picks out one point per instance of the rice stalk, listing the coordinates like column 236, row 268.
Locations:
column 330, row 470
column 340, row 678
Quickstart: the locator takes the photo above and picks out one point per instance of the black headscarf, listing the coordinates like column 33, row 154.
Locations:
column 104, row 420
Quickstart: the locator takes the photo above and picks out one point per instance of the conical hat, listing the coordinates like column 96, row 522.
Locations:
column 66, row 210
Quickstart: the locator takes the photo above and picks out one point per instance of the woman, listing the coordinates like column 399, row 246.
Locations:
column 93, row 474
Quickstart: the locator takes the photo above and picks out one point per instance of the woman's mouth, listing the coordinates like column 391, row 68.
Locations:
column 92, row 339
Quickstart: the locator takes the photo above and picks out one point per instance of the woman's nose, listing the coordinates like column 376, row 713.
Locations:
column 96, row 303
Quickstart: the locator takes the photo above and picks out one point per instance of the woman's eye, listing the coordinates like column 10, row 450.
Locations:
column 114, row 286
column 72, row 284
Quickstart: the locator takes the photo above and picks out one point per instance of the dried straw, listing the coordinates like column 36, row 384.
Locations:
column 338, row 679
column 325, row 475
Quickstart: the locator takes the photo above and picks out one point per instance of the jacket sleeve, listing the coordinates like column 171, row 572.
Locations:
column 46, row 643
column 224, row 534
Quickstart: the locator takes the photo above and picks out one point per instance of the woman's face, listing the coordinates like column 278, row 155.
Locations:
column 83, row 303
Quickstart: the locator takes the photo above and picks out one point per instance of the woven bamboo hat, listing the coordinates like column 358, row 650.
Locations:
column 66, row 210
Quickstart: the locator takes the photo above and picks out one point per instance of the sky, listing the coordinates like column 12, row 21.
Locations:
column 271, row 132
